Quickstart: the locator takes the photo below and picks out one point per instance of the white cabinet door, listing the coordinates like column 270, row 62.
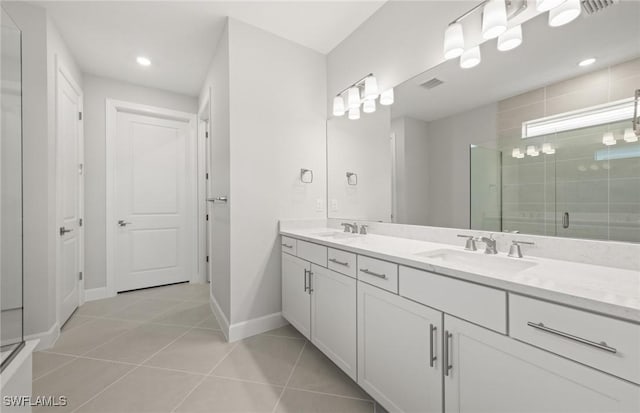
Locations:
column 296, row 301
column 494, row 373
column 399, row 351
column 333, row 317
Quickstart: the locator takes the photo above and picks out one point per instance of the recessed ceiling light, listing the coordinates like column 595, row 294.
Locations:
column 143, row 61
column 587, row 62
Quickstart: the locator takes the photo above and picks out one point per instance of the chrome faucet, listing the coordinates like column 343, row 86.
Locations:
column 350, row 227
column 515, row 251
column 470, row 245
column 490, row 245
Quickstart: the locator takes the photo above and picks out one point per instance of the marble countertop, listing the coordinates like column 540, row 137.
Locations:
column 610, row 291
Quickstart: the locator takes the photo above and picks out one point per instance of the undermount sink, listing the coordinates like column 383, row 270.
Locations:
column 337, row 235
column 478, row 260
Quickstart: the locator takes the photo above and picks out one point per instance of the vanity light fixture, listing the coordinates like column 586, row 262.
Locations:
column 143, row 61
column 546, row 5
column 470, row 58
column 564, row 13
column 532, row 151
column 370, row 89
column 630, row 136
column 353, row 97
column 453, row 41
column 386, row 97
column 338, row 106
column 608, row 139
column 369, row 106
column 587, row 62
column 517, row 153
column 354, row 113
column 494, row 19
column 548, row 149
column 510, row 39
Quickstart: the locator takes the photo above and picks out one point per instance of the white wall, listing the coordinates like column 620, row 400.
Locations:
column 449, row 163
column 363, row 147
column 216, row 89
column 96, row 91
column 278, row 125
column 412, row 171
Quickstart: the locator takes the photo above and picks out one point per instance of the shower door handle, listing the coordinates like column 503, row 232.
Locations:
column 565, row 220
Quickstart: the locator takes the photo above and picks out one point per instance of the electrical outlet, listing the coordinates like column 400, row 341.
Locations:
column 319, row 205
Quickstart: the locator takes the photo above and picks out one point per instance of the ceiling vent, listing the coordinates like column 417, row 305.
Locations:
column 595, row 6
column 430, row 84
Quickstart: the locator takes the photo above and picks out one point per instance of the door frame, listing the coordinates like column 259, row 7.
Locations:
column 62, row 72
column 114, row 106
column 204, row 120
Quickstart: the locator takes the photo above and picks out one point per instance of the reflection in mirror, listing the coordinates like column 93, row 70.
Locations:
column 512, row 144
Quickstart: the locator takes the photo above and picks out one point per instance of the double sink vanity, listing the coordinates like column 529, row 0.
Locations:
column 431, row 327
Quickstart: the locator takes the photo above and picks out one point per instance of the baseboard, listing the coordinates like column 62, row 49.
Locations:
column 244, row 329
column 46, row 339
column 219, row 314
column 93, row 294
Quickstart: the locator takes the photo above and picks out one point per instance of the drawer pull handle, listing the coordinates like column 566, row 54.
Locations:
column 287, row 246
column 375, row 274
column 333, row 260
column 432, row 356
column 602, row 345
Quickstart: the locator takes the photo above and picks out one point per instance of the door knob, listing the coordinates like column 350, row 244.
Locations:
column 63, row 231
column 123, row 223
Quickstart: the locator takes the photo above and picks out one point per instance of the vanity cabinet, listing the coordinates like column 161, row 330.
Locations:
column 296, row 301
column 399, row 351
column 489, row 372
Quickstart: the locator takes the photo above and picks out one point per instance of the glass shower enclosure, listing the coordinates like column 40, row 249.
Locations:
column 11, row 286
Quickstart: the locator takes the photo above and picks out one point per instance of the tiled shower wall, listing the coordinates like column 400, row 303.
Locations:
column 602, row 197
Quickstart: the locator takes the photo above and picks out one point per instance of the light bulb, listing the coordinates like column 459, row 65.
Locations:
column 630, row 135
column 565, row 13
column 338, row 106
column 386, row 97
column 353, row 98
column 494, row 19
column 354, row 113
column 608, row 139
column 369, row 106
column 453, row 41
column 370, row 88
column 470, row 58
column 510, row 39
column 544, row 5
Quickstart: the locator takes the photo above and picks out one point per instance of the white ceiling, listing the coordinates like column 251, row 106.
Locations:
column 547, row 55
column 180, row 36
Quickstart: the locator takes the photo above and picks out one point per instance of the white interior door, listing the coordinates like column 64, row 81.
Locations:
column 154, row 201
column 69, row 194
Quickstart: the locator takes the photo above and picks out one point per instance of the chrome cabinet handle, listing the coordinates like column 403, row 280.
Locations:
column 287, row 246
column 448, row 338
column 432, row 355
column 63, row 231
column 335, row 261
column 310, row 282
column 602, row 345
column 123, row 223
column 375, row 274
column 306, row 287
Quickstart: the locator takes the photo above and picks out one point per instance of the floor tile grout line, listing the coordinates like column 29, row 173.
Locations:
column 295, row 365
column 205, row 377
column 342, row 396
column 73, row 358
column 134, row 368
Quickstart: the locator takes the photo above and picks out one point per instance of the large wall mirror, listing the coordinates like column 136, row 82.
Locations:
column 528, row 141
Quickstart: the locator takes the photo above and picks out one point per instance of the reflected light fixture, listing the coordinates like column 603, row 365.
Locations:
column 143, row 61
column 470, row 58
column 532, row 151
column 369, row 106
column 494, row 19
column 517, row 153
column 453, row 41
column 565, row 13
column 510, row 39
column 354, row 113
column 608, row 139
column 546, row 5
column 386, row 97
column 370, row 88
column 587, row 62
column 548, row 149
column 338, row 106
column 630, row 136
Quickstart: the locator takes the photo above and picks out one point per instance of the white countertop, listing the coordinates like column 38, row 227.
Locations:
column 610, row 291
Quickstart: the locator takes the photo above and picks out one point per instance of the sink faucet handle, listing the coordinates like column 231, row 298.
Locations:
column 515, row 250
column 363, row 229
column 346, row 226
column 470, row 245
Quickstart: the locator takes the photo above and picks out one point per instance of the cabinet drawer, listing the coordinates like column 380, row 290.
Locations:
column 380, row 273
column 604, row 343
column 288, row 245
column 342, row 262
column 314, row 253
column 480, row 305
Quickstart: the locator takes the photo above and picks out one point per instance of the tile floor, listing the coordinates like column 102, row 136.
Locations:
column 161, row 350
